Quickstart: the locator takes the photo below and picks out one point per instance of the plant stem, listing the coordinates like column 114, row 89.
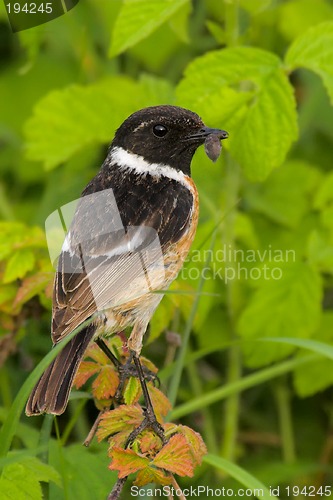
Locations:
column 231, row 22
column 240, row 385
column 208, row 427
column 234, row 371
column 285, row 420
column 175, row 381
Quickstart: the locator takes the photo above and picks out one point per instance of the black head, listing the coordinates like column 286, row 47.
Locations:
column 164, row 134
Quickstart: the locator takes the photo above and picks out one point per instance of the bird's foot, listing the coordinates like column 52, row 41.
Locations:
column 126, row 370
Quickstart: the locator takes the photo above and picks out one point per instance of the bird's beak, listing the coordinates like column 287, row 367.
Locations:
column 206, row 131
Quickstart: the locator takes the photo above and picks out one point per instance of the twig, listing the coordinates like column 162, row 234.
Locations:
column 177, row 488
column 117, row 489
column 93, row 430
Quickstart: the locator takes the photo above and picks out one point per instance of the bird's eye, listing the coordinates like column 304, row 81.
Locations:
column 160, row 130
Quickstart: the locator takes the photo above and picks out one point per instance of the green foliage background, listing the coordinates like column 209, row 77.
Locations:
column 256, row 372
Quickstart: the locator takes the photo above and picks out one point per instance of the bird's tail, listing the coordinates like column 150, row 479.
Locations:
column 51, row 393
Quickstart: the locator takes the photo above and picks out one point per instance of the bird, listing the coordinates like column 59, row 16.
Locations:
column 130, row 234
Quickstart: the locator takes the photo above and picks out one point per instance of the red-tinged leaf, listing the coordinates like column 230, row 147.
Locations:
column 86, row 370
column 132, row 391
column 30, row 287
column 161, row 404
column 123, row 418
column 105, row 384
column 151, row 475
column 127, row 462
column 95, row 353
column 175, row 457
column 148, row 364
column 195, row 442
column 118, row 441
column 149, row 442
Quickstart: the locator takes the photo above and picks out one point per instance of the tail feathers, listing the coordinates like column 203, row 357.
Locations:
column 51, row 392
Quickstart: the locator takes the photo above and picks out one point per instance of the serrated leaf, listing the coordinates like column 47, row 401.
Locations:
column 119, row 440
column 65, row 121
column 197, row 446
column 127, row 462
column 138, row 19
column 287, row 307
column 285, row 195
column 105, row 384
column 264, row 122
column 151, row 475
column 18, row 265
column 15, row 482
column 22, row 479
column 161, row 404
column 85, row 471
column 86, row 370
column 149, row 442
column 132, row 391
column 314, row 50
column 95, row 353
column 175, row 457
column 123, row 418
column 43, row 472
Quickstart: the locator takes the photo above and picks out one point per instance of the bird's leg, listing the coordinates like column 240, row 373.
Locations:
column 150, row 420
column 102, row 345
column 126, row 370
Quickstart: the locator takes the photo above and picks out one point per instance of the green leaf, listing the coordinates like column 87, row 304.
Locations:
column 296, row 16
column 247, row 92
column 84, row 472
column 318, row 375
column 19, row 264
column 138, row 19
column 241, row 475
column 42, row 472
column 314, row 50
column 287, row 307
column 132, row 391
column 320, row 251
column 285, row 195
column 65, row 121
column 179, row 22
column 30, row 287
column 324, row 195
column 15, row 482
column 21, row 479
